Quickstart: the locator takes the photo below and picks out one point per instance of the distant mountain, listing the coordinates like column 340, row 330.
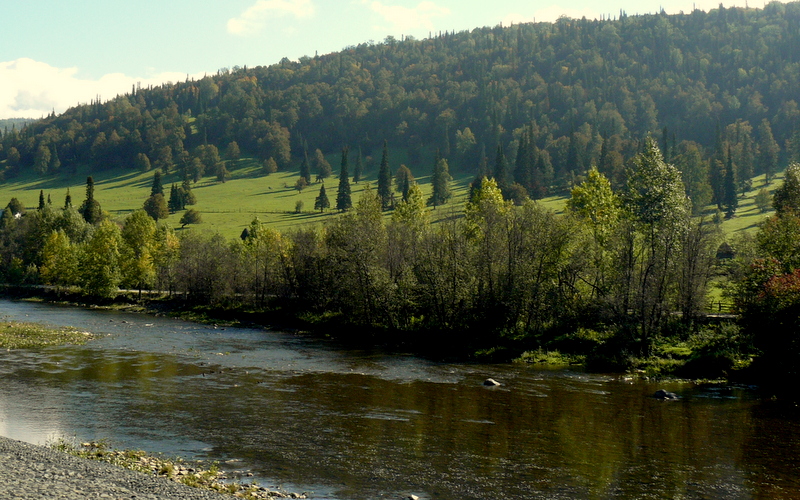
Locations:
column 548, row 100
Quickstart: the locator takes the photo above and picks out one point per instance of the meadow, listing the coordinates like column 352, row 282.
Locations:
column 227, row 208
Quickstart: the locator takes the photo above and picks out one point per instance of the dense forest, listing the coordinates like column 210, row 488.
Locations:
column 641, row 121
column 719, row 89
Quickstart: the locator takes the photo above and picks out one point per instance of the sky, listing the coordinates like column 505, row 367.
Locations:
column 59, row 53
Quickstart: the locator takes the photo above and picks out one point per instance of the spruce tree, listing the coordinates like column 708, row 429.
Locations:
column 440, row 181
column 90, row 209
column 322, row 202
column 731, row 200
column 501, row 169
column 41, row 199
column 157, row 188
column 403, row 179
column 343, row 199
column 305, row 169
column 385, row 179
column 67, row 200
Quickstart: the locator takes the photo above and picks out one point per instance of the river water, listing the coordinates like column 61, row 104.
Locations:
column 307, row 415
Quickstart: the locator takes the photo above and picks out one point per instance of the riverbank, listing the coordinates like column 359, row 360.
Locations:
column 94, row 471
column 715, row 351
column 35, row 472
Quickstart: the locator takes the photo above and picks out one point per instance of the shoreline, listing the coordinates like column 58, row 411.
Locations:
column 33, row 471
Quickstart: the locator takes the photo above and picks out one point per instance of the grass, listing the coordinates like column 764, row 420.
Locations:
column 190, row 474
column 226, row 208
column 15, row 335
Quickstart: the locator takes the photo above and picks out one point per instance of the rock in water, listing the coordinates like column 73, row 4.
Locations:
column 490, row 382
column 662, row 394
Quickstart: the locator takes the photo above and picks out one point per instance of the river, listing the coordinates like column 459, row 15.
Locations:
column 305, row 414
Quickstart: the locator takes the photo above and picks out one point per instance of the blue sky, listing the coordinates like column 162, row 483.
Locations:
column 57, row 53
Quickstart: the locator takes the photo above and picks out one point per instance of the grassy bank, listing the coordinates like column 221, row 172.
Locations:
column 16, row 335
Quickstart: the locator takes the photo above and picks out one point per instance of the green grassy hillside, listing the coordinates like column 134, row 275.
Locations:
column 227, row 208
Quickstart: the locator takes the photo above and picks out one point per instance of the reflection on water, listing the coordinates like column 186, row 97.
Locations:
column 302, row 413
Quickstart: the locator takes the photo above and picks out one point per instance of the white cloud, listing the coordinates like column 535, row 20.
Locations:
column 551, row 14
column 31, row 89
column 407, row 19
column 254, row 19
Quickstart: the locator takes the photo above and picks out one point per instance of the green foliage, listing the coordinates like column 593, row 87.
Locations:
column 385, row 179
column 191, row 216
column 343, row 195
column 156, row 207
column 786, row 199
column 99, row 263
column 440, row 183
column 322, row 202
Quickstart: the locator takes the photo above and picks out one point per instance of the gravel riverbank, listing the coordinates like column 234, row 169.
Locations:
column 30, row 471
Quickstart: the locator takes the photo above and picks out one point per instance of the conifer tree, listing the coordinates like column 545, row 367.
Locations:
column 440, row 181
column 731, row 200
column 385, row 179
column 157, row 188
column 67, row 200
column 90, row 209
column 41, row 199
column 501, row 169
column 322, row 202
column 403, row 179
column 343, row 198
column 768, row 150
column 305, row 169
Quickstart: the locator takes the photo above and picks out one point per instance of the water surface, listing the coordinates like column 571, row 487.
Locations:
column 307, row 414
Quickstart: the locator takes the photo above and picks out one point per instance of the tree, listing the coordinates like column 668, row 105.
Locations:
column 412, row 211
column 322, row 202
column 321, row 166
column 768, row 151
column 188, row 195
column 305, row 169
column 156, row 207
column 301, row 183
column 500, row 173
column 270, row 166
column 41, row 199
column 158, row 187
column 136, row 263
column 41, row 160
column 142, row 162
column 100, row 261
column 403, row 179
column 786, row 198
column 358, row 171
column 763, row 200
column 440, row 182
column 175, row 202
column 67, row 200
column 343, row 198
column 656, row 199
column 385, row 179
column 15, row 207
column 731, row 200
column 90, row 209
column 233, row 153
column 59, row 260
column 191, row 216
column 222, row 173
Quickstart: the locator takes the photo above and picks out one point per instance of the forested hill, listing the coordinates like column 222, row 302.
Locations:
column 566, row 95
